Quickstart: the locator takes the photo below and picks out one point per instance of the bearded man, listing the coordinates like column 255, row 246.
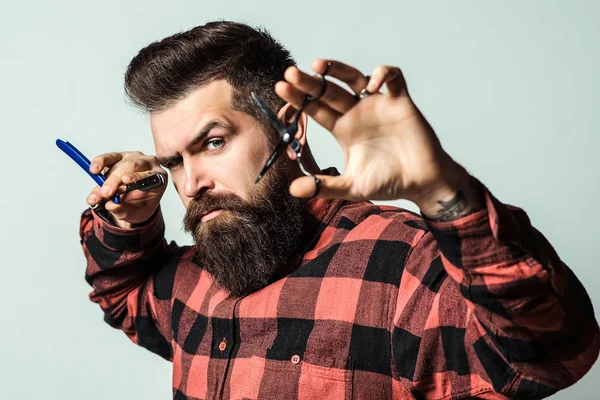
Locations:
column 285, row 294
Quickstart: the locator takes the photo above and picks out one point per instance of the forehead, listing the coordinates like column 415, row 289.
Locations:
column 210, row 100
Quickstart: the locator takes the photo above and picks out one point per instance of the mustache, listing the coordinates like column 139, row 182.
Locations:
column 197, row 208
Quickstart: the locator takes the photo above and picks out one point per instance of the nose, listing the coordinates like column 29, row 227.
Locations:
column 196, row 181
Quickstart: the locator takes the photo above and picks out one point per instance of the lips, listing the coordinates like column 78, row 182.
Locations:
column 208, row 215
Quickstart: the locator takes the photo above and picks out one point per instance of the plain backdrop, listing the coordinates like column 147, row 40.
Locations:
column 511, row 87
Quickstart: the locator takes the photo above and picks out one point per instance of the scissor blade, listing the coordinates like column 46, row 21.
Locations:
column 275, row 122
column 274, row 156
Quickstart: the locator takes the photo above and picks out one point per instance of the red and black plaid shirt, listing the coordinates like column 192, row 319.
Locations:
column 382, row 304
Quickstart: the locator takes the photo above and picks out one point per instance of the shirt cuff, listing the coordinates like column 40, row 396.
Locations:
column 484, row 237
column 134, row 238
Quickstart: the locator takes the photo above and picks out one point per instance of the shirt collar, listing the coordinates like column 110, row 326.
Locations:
column 318, row 213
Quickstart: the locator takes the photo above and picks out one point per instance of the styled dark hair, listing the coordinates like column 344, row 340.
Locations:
column 248, row 58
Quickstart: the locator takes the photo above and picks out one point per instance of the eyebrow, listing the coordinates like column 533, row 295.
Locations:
column 169, row 160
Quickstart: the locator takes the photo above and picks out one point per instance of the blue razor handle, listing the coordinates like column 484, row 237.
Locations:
column 83, row 162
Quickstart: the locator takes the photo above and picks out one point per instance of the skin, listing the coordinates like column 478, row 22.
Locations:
column 204, row 143
column 391, row 150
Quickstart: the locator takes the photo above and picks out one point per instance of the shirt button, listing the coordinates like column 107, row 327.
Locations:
column 295, row 359
column 223, row 345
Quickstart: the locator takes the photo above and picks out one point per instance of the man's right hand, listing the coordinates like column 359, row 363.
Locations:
column 120, row 169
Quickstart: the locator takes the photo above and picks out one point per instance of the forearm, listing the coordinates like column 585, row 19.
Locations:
column 455, row 195
column 116, row 257
column 124, row 267
column 531, row 304
column 110, row 218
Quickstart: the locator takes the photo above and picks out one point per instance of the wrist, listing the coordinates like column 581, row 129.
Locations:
column 454, row 195
column 111, row 219
column 118, row 222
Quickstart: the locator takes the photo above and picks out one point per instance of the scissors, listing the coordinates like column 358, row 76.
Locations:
column 288, row 134
column 145, row 184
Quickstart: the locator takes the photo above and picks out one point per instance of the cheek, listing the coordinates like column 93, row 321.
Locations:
column 236, row 176
column 242, row 165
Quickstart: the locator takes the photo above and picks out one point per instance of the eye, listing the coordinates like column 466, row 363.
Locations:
column 213, row 144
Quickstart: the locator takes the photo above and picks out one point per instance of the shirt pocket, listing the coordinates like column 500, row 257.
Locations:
column 298, row 379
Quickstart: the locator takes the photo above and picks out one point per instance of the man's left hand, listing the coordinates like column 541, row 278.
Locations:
column 391, row 151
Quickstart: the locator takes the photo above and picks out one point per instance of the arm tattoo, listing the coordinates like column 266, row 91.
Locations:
column 451, row 209
column 459, row 206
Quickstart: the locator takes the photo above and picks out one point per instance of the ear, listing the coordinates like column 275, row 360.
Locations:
column 286, row 114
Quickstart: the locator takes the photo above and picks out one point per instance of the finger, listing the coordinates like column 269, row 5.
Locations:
column 335, row 96
column 114, row 177
column 105, row 160
column 135, row 176
column 113, row 208
column 319, row 111
column 130, row 165
column 390, row 76
column 345, row 73
column 94, row 197
column 331, row 187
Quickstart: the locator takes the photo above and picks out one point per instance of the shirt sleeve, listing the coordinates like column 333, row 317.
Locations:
column 131, row 272
column 512, row 313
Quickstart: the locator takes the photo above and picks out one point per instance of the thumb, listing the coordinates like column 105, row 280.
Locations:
column 331, row 187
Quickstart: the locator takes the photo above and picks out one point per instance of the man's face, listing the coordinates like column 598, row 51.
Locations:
column 244, row 232
column 209, row 146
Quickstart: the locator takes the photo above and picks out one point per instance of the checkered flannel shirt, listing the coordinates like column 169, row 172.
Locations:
column 382, row 304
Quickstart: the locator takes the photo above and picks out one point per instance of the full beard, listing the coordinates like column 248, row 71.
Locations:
column 245, row 245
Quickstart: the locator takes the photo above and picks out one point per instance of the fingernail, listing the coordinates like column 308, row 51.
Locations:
column 105, row 190
column 94, row 167
column 92, row 198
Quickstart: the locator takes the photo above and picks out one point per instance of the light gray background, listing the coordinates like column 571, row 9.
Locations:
column 511, row 87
